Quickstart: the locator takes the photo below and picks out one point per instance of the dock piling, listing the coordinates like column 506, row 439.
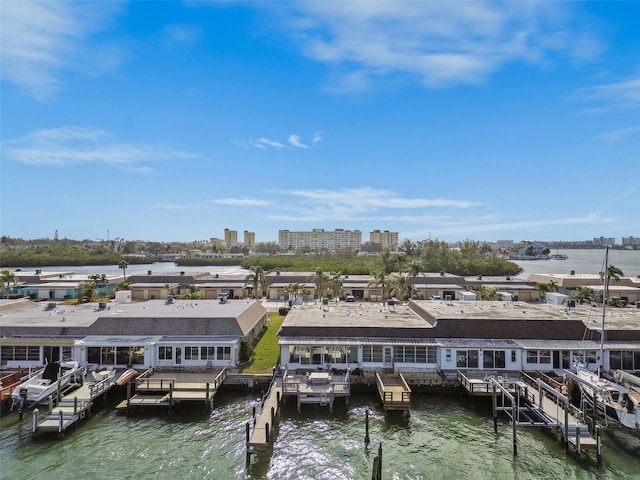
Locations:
column 578, row 439
column 598, row 445
column 495, row 408
column 366, row 427
column 34, row 421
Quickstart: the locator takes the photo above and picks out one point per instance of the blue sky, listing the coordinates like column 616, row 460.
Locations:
column 448, row 120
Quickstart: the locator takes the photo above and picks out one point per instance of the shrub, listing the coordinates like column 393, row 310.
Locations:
column 283, row 311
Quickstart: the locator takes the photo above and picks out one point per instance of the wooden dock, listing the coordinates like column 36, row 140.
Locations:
column 9, row 381
column 394, row 392
column 529, row 402
column 170, row 389
column 260, row 435
column 316, row 388
column 74, row 406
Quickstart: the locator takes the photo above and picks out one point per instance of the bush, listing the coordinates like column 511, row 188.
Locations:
column 283, row 311
column 246, row 351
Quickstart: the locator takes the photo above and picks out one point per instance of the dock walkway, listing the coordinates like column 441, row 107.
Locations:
column 74, row 406
column 260, row 435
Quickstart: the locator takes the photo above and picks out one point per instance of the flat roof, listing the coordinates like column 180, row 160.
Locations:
column 618, row 318
column 359, row 314
column 85, row 314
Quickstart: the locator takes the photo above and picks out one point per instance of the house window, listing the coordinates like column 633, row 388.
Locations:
column 107, row 355
column 467, row 358
column 93, row 354
column 224, row 353
column 539, row 356
column 513, row 356
column 493, row 358
column 123, row 355
column 66, row 354
column 165, row 353
column 624, row 359
column 191, row 353
column 372, row 353
column 20, row 353
column 208, row 353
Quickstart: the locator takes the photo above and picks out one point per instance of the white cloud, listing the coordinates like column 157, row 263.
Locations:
column 241, row 202
column 261, row 143
column 40, row 40
column 68, row 146
column 294, row 141
column 317, row 138
column 618, row 135
column 439, row 44
column 617, row 95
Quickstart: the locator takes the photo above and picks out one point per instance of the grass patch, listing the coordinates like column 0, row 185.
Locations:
column 267, row 350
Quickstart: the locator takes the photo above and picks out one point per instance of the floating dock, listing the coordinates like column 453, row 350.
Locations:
column 154, row 389
column 74, row 406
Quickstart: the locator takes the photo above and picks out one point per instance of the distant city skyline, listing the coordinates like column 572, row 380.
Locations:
column 171, row 121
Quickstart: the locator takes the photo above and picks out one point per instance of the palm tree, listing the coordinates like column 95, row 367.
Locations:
column 582, row 294
column 379, row 280
column 336, row 285
column 295, row 290
column 414, row 269
column 398, row 286
column 257, row 280
column 546, row 287
column 88, row 290
column 123, row 264
column 319, row 279
column 613, row 273
column 123, row 286
column 7, row 277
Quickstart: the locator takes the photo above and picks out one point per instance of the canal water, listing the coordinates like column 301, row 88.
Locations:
column 446, row 436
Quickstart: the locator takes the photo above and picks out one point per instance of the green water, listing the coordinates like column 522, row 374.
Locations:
column 445, row 437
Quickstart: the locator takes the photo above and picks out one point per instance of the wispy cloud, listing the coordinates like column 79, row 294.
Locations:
column 264, row 143
column 294, row 141
column 618, row 135
column 68, row 146
column 241, row 202
column 611, row 96
column 40, row 40
column 439, row 44
column 182, row 34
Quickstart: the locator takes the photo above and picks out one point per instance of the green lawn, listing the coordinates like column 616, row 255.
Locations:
column 267, row 350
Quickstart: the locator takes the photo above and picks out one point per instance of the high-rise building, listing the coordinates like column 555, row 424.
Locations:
column 230, row 237
column 319, row 239
column 249, row 238
column 386, row 239
column 217, row 243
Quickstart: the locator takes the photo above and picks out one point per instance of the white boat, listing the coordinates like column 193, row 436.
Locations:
column 613, row 400
column 54, row 377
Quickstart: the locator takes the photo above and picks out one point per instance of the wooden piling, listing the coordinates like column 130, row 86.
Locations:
column 578, row 439
column 495, row 408
column 598, row 445
column 514, row 421
column 34, row 421
column 266, row 433
column 366, row 427
column 75, row 405
column 566, row 427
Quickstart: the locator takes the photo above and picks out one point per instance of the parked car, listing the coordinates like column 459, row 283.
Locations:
column 349, row 298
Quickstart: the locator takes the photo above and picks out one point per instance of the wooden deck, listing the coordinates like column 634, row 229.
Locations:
column 316, row 388
column 260, row 434
column 394, row 392
column 73, row 406
column 167, row 390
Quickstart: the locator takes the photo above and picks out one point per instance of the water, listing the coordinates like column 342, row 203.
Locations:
column 584, row 261
column 445, row 437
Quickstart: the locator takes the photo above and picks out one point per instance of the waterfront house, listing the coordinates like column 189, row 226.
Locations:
column 153, row 333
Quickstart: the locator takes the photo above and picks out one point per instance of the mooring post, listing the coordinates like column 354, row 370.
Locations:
column 598, row 445
column 247, row 430
column 578, row 439
column 566, row 426
column 60, row 429
column 494, row 398
column 266, row 432
column 58, row 394
column 366, row 427
column 514, row 421
column 34, row 420
column 50, row 403
column 273, row 416
column 170, row 396
column 75, row 405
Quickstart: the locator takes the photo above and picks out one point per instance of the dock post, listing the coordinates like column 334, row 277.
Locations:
column 60, row 425
column 598, row 445
column 246, row 431
column 495, row 409
column 58, row 394
column 514, row 421
column 75, row 405
column 366, row 427
column 207, row 399
column 266, row 432
column 128, row 396
column 34, row 421
column 50, row 404
column 566, row 426
column 273, row 416
column 578, row 439
column 170, row 396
